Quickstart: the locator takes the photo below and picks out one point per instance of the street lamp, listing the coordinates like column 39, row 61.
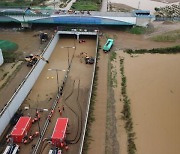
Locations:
column 68, row 47
column 53, row 69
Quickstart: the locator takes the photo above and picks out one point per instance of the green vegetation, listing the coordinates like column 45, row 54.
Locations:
column 112, row 72
column 4, row 75
column 127, row 112
column 113, row 78
column 8, row 49
column 169, row 50
column 137, row 30
column 9, row 57
column 8, row 46
column 11, row 76
column 19, row 3
column 113, row 56
column 110, row 114
column 86, row 5
column 168, row 37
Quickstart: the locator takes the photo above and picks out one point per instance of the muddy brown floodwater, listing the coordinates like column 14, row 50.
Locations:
column 27, row 44
column 75, row 93
column 153, row 87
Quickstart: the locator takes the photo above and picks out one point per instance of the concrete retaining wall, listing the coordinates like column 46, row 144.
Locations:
column 25, row 87
column 1, row 58
column 143, row 21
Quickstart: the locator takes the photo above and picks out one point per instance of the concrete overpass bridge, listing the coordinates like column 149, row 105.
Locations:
column 137, row 17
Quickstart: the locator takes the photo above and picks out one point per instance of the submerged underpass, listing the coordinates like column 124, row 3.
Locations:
column 77, row 81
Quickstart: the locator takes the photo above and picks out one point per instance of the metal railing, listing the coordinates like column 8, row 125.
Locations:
column 78, row 29
column 167, row 18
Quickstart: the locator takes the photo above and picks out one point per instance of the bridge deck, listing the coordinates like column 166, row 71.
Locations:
column 73, row 17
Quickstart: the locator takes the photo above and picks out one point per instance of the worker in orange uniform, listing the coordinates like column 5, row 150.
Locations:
column 60, row 112
column 30, row 137
column 36, row 133
column 66, row 148
column 49, row 118
column 52, row 111
column 25, row 141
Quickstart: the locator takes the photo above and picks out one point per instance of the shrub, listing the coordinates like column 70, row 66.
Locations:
column 168, row 50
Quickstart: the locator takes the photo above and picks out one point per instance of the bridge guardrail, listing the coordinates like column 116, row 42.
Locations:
column 78, row 29
column 167, row 18
column 22, row 14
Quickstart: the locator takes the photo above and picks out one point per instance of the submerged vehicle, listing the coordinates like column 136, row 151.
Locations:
column 89, row 60
column 108, row 45
column 43, row 37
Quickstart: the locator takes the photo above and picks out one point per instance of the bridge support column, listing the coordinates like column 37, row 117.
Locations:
column 26, row 25
column 77, row 36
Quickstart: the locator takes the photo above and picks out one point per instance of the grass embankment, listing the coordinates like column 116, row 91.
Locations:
column 113, row 74
column 10, row 76
column 20, row 3
column 111, row 143
column 141, row 30
column 169, row 50
column 127, row 112
column 8, row 50
column 86, row 5
column 167, row 37
column 137, row 30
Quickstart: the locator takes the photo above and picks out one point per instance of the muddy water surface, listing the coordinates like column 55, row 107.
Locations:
column 44, row 91
column 153, row 87
column 144, row 4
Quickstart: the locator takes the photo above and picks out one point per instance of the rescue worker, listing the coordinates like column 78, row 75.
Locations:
column 60, row 112
column 49, row 118
column 66, row 148
column 30, row 137
column 25, row 141
column 52, row 111
column 36, row 133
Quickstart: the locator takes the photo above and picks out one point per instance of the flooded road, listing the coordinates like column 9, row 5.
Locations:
column 76, row 89
column 153, row 87
column 142, row 4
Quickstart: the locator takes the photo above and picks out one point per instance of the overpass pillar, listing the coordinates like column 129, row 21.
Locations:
column 77, row 36
column 26, row 25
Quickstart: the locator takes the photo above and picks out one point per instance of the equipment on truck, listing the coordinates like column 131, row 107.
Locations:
column 32, row 59
column 21, row 129
column 59, row 134
column 88, row 59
